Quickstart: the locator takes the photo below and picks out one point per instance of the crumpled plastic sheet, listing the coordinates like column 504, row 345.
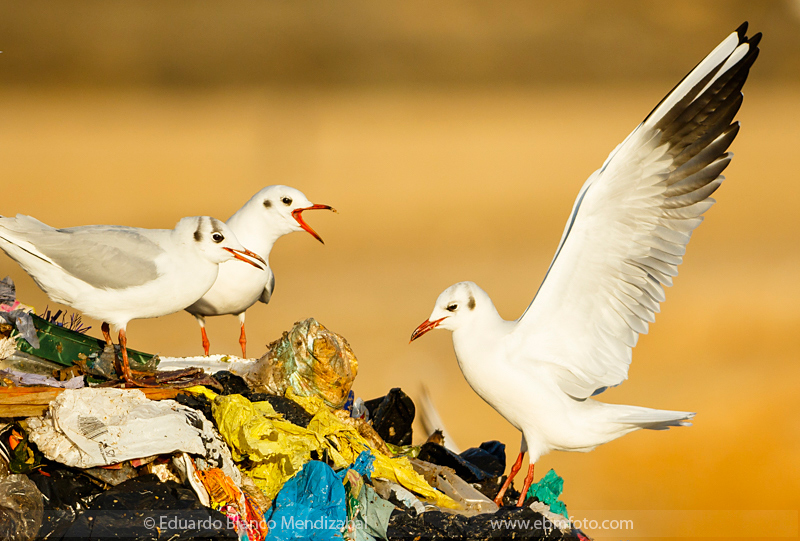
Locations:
column 97, row 427
column 21, row 508
column 311, row 360
column 18, row 377
column 278, row 449
column 547, row 490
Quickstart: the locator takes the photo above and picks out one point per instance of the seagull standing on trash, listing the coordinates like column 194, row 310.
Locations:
column 116, row 273
column 273, row 212
column 622, row 244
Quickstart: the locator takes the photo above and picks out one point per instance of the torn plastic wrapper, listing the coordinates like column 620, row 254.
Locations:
column 97, row 427
column 311, row 360
column 20, row 508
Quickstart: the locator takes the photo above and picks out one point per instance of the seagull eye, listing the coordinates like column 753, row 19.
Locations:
column 286, row 201
column 217, row 237
column 452, row 307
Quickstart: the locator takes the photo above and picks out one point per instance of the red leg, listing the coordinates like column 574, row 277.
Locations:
column 243, row 343
column 106, row 333
column 126, row 367
column 514, row 470
column 123, row 346
column 526, row 486
column 206, row 343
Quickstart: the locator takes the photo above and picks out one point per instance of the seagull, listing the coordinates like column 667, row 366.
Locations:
column 625, row 237
column 273, row 212
column 116, row 273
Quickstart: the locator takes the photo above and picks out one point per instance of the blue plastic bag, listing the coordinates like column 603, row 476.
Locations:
column 311, row 505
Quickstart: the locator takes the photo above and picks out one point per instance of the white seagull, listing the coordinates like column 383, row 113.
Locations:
column 622, row 244
column 273, row 212
column 116, row 273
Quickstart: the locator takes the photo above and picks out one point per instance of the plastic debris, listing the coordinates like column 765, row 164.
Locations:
column 547, row 490
column 66, row 346
column 471, row 501
column 22, row 321
column 17, row 377
column 398, row 495
column 311, row 505
column 145, row 508
column 370, row 519
column 20, row 508
column 97, row 427
column 473, row 465
column 15, row 452
column 311, row 360
column 392, row 416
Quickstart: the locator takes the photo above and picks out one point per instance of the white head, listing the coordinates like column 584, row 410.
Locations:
column 279, row 209
column 214, row 241
column 457, row 306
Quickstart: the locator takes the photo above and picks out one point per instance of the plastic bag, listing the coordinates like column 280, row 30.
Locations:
column 20, row 508
column 392, row 416
column 277, row 449
column 309, row 359
column 311, row 505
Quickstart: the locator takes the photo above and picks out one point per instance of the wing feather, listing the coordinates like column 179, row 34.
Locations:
column 628, row 231
column 110, row 257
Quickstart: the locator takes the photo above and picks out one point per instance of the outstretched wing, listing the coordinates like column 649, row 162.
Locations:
column 630, row 225
column 110, row 257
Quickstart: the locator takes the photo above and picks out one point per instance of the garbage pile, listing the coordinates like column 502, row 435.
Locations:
column 279, row 448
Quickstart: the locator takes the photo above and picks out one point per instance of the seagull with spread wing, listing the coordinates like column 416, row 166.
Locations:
column 622, row 244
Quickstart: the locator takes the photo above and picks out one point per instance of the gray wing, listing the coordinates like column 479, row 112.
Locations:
column 269, row 288
column 109, row 257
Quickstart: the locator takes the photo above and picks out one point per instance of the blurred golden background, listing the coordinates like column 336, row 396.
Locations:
column 453, row 138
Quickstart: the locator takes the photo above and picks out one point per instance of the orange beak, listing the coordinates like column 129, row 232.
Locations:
column 297, row 214
column 426, row 326
column 247, row 256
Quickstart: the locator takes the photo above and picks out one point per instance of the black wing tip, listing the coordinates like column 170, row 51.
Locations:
column 742, row 31
column 755, row 40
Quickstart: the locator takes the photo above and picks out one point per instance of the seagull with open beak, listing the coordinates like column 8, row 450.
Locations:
column 273, row 212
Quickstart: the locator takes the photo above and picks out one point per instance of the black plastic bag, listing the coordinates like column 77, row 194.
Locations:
column 392, row 416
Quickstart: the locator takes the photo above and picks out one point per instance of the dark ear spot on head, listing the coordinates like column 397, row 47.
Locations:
column 471, row 303
column 198, row 236
column 267, row 203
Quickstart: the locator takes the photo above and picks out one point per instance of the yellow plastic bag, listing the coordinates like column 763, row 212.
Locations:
column 279, row 448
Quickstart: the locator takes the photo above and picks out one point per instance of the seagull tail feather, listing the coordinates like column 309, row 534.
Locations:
column 653, row 419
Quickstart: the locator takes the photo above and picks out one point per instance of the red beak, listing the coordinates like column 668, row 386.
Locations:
column 426, row 326
column 247, row 256
column 297, row 215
